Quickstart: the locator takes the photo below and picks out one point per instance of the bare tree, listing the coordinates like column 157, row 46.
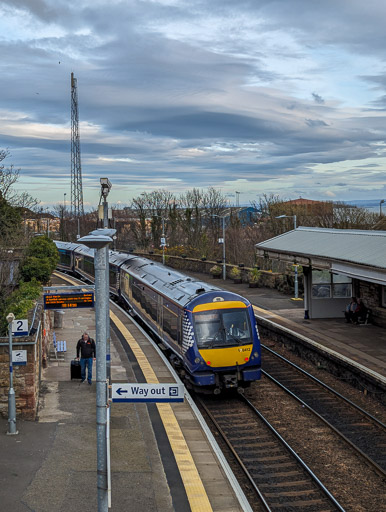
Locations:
column 9, row 176
column 351, row 217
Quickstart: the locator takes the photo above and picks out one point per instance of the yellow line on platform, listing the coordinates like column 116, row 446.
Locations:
column 269, row 315
column 195, row 490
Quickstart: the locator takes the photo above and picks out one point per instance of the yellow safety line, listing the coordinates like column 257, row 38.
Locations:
column 195, row 490
column 269, row 314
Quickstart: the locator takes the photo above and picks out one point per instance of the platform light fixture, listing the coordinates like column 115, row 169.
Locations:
column 287, row 216
column 224, row 268
column 106, row 186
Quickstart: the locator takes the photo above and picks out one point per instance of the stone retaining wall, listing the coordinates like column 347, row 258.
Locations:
column 26, row 379
column 267, row 278
column 370, row 293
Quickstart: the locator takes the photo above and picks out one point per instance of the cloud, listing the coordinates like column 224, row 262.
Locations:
column 181, row 94
column 318, row 99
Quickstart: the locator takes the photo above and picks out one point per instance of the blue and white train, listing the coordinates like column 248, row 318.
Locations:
column 211, row 333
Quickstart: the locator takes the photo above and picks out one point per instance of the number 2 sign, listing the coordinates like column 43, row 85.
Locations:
column 20, row 327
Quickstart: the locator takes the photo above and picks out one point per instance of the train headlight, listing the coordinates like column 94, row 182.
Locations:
column 255, row 355
column 197, row 360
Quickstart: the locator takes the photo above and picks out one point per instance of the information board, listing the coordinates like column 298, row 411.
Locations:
column 69, row 300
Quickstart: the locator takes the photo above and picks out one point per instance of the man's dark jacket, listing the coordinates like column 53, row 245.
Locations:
column 86, row 348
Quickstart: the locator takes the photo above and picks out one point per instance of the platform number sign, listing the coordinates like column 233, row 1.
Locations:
column 20, row 327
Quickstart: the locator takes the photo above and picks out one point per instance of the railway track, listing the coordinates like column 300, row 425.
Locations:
column 280, row 479
column 362, row 431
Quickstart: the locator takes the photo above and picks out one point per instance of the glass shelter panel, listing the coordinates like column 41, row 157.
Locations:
column 326, row 285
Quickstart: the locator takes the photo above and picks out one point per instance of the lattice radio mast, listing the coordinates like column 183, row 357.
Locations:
column 76, row 168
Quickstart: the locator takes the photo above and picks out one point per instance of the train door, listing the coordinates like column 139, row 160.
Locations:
column 160, row 316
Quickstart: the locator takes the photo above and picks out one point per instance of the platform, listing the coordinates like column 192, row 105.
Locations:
column 160, row 457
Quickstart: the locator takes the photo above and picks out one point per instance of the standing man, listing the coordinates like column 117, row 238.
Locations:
column 86, row 347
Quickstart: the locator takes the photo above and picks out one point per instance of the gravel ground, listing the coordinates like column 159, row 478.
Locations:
column 352, row 482
column 369, row 404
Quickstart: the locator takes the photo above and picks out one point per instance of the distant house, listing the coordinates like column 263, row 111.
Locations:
column 42, row 223
column 247, row 215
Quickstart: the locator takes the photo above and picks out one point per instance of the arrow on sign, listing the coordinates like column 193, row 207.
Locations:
column 120, row 391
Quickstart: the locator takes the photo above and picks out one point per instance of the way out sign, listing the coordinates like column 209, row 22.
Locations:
column 134, row 392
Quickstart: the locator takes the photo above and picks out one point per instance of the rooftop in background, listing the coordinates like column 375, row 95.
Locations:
column 346, row 245
column 302, row 201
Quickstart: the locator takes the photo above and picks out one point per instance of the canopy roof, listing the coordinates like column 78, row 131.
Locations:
column 358, row 247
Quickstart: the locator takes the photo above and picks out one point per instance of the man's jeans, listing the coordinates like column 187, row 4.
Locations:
column 86, row 361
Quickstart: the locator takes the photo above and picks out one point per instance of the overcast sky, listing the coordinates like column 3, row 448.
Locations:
column 285, row 97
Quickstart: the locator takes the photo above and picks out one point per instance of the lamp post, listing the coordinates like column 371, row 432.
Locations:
column 64, row 215
column 99, row 240
column 106, row 186
column 224, row 269
column 11, row 393
column 163, row 239
column 380, row 207
column 289, row 216
column 296, row 284
column 48, row 224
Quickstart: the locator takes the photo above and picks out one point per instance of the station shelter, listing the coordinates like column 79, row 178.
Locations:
column 337, row 264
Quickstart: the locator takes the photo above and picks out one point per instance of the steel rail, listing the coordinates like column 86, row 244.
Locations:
column 234, row 453
column 368, row 460
column 297, row 457
column 333, row 391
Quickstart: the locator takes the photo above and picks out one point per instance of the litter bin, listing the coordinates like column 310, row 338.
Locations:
column 58, row 319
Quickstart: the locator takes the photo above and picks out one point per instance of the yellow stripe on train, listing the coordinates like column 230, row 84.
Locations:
column 231, row 356
column 219, row 305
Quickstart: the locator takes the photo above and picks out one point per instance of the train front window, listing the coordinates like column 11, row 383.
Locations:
column 222, row 328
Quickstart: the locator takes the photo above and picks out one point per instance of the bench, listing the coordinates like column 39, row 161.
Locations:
column 366, row 319
column 58, row 347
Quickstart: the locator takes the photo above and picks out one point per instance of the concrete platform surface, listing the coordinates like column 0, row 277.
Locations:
column 50, row 466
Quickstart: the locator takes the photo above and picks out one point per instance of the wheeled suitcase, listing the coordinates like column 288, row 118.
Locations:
column 75, row 369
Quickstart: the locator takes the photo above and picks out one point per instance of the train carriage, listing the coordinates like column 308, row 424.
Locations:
column 211, row 333
column 66, row 256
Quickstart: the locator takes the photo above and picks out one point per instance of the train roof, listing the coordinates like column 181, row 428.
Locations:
column 176, row 285
column 70, row 246
column 117, row 258
column 181, row 288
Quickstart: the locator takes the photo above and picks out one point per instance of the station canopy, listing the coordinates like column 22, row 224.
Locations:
column 359, row 254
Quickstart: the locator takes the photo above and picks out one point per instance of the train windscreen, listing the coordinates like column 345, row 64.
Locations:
column 222, row 328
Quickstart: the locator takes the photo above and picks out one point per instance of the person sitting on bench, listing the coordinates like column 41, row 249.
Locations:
column 359, row 313
column 350, row 309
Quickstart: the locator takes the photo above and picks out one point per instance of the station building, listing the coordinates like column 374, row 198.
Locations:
column 337, row 264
